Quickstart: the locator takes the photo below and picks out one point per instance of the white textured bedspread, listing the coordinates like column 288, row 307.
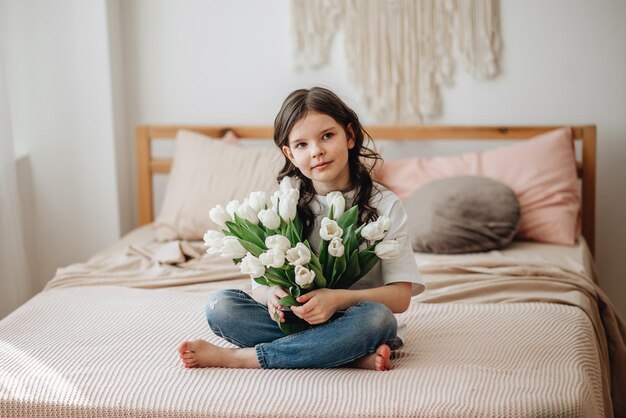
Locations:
column 108, row 351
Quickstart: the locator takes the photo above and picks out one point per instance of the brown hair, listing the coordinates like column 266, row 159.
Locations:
column 321, row 100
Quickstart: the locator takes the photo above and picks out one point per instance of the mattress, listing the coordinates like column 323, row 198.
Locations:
column 519, row 332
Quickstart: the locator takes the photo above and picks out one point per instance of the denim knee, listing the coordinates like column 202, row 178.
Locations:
column 378, row 317
column 220, row 307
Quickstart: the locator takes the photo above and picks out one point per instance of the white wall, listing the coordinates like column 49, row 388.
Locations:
column 59, row 89
column 82, row 75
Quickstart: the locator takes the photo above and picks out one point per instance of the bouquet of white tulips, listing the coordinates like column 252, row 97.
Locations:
column 264, row 236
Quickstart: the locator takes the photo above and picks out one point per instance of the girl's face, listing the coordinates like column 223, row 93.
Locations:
column 318, row 146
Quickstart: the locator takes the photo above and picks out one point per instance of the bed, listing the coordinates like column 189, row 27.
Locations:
column 518, row 331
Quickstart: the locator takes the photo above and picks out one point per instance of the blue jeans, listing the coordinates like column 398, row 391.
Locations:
column 233, row 315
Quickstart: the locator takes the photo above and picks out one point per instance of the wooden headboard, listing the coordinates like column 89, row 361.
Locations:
column 147, row 166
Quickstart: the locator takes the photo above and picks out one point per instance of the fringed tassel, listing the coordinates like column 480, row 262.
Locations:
column 314, row 24
column 400, row 51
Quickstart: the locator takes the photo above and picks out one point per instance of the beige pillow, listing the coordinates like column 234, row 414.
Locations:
column 207, row 172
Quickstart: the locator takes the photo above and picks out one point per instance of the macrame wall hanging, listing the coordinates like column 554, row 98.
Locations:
column 399, row 52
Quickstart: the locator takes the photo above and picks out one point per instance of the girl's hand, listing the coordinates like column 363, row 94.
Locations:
column 318, row 305
column 274, row 294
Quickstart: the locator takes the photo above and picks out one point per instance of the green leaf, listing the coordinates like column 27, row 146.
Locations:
column 349, row 217
column 329, row 268
column 367, row 260
column 350, row 242
column 256, row 230
column 339, row 268
column 314, row 259
column 280, row 273
column 276, row 279
column 323, row 252
column 252, row 248
column 249, row 232
column 320, row 278
column 352, row 273
column 249, row 237
column 289, row 300
column 330, row 211
column 233, row 228
column 298, row 226
column 270, row 232
column 292, row 235
column 262, row 281
column 295, row 291
column 353, row 268
column 291, row 275
column 358, row 232
column 292, row 324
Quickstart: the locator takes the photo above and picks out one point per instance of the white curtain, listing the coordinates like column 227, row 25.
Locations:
column 14, row 272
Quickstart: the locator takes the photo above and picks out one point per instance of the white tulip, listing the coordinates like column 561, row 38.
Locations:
column 291, row 194
column 252, row 266
column 373, row 231
column 231, row 208
column 290, row 183
column 385, row 222
column 337, row 202
column 335, row 247
column 329, row 229
column 269, row 218
column 387, row 249
column 304, row 276
column 213, row 240
column 288, row 209
column 219, row 215
column 232, row 248
column 274, row 200
column 258, row 200
column 274, row 257
column 246, row 212
column 278, row 241
column 298, row 255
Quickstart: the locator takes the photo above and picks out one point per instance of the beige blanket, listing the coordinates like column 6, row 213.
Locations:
column 480, row 279
column 560, row 278
column 139, row 261
column 104, row 351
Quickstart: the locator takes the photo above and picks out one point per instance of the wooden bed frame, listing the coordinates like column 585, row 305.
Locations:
column 148, row 166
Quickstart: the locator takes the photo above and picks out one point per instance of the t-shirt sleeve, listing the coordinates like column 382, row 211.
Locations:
column 404, row 267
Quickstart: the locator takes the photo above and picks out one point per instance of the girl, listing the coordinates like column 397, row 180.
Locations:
column 322, row 140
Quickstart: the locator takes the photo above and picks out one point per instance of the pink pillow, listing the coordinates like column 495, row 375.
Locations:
column 541, row 171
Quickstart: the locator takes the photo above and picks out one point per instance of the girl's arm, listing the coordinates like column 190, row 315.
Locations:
column 321, row 304
column 397, row 296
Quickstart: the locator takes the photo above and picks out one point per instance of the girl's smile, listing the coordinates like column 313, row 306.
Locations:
column 318, row 147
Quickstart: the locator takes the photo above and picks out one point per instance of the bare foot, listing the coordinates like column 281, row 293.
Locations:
column 201, row 353
column 379, row 360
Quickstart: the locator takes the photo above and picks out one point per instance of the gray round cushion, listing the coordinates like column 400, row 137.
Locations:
column 462, row 214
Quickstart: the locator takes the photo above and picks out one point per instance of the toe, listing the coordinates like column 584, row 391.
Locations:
column 183, row 347
column 380, row 365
